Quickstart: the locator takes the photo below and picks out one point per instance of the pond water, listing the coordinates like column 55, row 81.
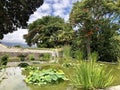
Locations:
column 14, row 80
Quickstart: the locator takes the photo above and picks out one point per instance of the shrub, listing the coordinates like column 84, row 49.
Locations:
column 48, row 76
column 23, row 65
column 4, row 60
column 22, row 57
column 44, row 57
column 31, row 57
column 17, row 46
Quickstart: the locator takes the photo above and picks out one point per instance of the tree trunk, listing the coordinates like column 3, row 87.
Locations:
column 88, row 48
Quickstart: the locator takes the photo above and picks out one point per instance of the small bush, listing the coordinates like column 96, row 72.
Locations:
column 44, row 57
column 23, row 65
column 22, row 57
column 17, row 46
column 31, row 57
column 4, row 60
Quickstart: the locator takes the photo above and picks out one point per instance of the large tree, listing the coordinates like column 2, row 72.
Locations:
column 97, row 22
column 48, row 32
column 15, row 14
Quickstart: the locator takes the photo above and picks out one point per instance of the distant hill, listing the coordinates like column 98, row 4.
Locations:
column 10, row 44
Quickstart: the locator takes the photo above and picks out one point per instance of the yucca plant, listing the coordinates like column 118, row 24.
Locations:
column 91, row 75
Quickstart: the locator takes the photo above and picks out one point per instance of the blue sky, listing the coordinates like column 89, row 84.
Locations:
column 60, row 8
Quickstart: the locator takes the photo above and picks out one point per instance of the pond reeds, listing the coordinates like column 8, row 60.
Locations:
column 91, row 75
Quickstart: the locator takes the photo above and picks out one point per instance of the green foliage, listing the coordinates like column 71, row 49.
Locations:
column 98, row 23
column 45, row 56
column 66, row 52
column 78, row 55
column 49, row 32
column 22, row 57
column 15, row 14
column 67, row 65
column 49, row 76
column 106, row 43
column 23, row 65
column 18, row 46
column 91, row 75
column 31, row 57
column 31, row 68
column 4, row 60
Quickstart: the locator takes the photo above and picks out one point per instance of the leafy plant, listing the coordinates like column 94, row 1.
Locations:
column 31, row 68
column 48, row 76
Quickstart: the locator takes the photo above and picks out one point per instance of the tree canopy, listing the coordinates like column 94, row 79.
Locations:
column 98, row 22
column 15, row 14
column 48, row 32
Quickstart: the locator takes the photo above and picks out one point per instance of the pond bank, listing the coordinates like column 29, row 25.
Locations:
column 112, row 88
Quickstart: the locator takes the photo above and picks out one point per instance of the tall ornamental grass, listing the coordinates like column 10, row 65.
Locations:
column 67, row 52
column 91, row 75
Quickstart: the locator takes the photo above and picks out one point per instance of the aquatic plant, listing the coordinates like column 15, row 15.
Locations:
column 91, row 75
column 48, row 76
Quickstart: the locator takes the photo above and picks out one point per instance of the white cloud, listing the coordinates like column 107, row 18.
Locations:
column 15, row 37
column 44, row 10
column 49, row 7
column 53, row 7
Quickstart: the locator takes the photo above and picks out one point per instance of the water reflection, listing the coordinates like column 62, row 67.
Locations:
column 13, row 79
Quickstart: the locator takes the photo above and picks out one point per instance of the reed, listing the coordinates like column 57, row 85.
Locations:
column 91, row 75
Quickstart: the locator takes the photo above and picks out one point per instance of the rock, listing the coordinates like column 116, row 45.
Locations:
column 114, row 88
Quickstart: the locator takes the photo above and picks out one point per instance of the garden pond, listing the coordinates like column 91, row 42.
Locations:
column 14, row 79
